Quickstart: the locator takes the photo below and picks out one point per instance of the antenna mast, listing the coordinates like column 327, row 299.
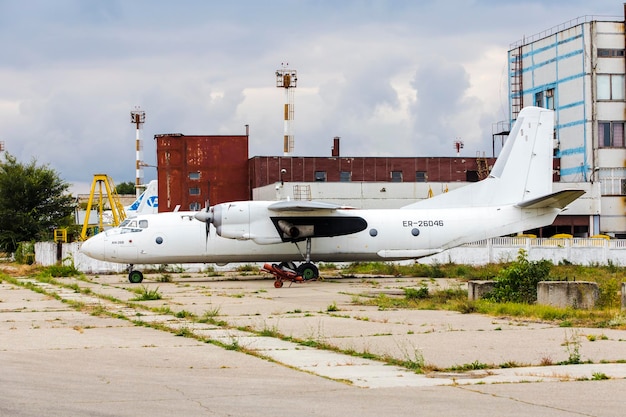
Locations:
column 138, row 118
column 287, row 79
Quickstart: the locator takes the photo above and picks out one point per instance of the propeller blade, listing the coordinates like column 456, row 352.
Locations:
column 206, row 216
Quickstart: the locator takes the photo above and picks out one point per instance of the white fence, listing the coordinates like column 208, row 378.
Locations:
column 576, row 251
column 579, row 251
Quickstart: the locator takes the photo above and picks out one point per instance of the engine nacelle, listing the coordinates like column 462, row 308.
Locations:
column 232, row 220
column 243, row 221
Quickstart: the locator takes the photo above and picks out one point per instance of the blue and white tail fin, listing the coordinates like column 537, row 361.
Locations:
column 522, row 172
column 146, row 203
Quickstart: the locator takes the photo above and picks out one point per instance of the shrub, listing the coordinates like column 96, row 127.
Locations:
column 416, row 293
column 518, row 282
column 25, row 253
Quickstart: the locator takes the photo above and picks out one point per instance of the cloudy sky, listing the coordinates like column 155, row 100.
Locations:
column 390, row 77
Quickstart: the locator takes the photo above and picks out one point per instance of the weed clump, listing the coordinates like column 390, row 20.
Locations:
column 146, row 294
column 416, row 293
column 518, row 282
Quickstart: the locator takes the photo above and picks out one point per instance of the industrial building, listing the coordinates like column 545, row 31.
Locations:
column 577, row 69
column 196, row 170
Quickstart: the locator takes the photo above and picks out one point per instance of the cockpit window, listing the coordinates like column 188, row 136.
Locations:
column 133, row 226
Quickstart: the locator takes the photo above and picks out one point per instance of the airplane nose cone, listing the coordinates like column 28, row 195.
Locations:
column 93, row 247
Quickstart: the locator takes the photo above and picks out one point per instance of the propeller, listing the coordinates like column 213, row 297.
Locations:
column 211, row 216
column 206, row 216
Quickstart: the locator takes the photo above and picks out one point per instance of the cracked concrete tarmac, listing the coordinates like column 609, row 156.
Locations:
column 57, row 360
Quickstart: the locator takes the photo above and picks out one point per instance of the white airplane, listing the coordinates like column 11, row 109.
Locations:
column 517, row 196
column 146, row 203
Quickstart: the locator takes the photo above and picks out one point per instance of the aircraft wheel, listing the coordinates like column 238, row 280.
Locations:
column 308, row 271
column 135, row 277
column 278, row 284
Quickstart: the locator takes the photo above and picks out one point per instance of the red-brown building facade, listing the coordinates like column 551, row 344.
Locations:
column 266, row 170
column 194, row 170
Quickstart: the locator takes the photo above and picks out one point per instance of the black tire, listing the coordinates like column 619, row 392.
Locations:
column 135, row 277
column 308, row 271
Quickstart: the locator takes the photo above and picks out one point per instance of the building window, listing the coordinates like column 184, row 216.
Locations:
column 610, row 53
column 345, row 176
column 320, row 176
column 194, row 190
column 194, row 175
column 396, row 176
column 610, row 134
column 545, row 99
column 195, row 206
column 610, row 86
column 612, row 181
column 550, row 98
column 420, row 176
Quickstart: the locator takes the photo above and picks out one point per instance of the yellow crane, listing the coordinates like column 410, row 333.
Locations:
column 118, row 214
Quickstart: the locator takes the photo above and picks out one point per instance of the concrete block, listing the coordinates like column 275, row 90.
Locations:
column 477, row 289
column 576, row 294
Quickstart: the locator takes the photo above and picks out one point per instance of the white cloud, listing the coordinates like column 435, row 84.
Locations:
column 388, row 77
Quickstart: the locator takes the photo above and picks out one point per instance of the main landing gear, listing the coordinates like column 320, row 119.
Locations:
column 134, row 276
column 289, row 271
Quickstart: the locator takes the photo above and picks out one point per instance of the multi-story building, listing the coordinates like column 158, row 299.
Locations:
column 577, row 69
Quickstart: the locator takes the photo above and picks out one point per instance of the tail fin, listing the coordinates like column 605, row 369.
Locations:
column 147, row 202
column 522, row 172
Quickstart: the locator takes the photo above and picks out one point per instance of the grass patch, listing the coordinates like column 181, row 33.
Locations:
column 247, row 268
column 146, row 294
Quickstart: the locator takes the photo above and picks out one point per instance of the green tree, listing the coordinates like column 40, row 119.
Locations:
column 33, row 201
column 125, row 188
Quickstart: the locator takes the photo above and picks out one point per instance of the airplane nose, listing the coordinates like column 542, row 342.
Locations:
column 93, row 247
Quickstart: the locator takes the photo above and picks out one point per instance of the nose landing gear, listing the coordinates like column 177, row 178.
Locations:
column 134, row 276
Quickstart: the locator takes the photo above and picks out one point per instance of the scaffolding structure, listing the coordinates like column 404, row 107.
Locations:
column 104, row 185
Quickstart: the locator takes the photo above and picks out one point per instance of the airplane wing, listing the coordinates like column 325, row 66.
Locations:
column 558, row 200
column 302, row 205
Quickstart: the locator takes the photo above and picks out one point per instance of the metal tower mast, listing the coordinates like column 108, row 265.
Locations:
column 138, row 117
column 287, row 79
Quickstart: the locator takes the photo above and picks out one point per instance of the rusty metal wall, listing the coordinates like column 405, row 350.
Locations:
column 266, row 170
column 195, row 169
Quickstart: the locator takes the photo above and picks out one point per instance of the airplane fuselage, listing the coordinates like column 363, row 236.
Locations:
column 178, row 237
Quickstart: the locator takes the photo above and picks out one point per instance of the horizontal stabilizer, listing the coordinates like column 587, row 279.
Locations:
column 558, row 200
